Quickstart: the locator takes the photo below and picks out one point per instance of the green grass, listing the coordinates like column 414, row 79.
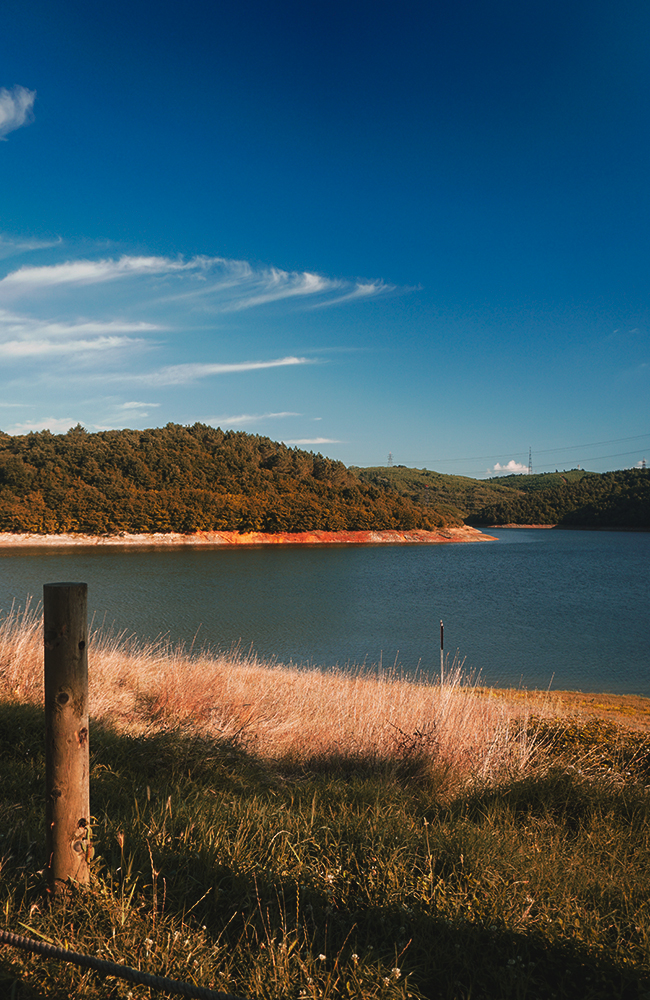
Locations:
column 275, row 880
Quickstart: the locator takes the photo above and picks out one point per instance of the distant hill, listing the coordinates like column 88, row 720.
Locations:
column 570, row 499
column 200, row 478
column 186, row 479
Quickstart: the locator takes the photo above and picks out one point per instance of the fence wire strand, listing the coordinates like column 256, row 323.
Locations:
column 160, row 983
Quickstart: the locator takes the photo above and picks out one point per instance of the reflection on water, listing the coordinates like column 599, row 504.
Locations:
column 537, row 607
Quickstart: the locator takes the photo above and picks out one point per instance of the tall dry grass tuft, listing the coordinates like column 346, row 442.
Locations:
column 21, row 655
column 302, row 717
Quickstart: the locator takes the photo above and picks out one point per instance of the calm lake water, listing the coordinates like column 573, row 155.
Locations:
column 566, row 609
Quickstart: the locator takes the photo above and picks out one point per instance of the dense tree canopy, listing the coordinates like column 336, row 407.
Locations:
column 200, row 478
column 186, row 479
column 570, row 499
column 607, row 500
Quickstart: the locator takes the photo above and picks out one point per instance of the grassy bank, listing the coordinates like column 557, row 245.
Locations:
column 284, row 834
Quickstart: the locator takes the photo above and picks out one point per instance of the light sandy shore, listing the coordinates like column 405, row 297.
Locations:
column 523, row 526
column 219, row 538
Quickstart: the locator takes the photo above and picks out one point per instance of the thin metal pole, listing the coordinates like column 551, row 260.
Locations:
column 67, row 803
column 442, row 655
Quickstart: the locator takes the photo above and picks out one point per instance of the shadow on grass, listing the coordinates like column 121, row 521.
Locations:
column 567, row 798
column 204, row 833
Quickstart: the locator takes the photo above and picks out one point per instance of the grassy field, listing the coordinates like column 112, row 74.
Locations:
column 285, row 834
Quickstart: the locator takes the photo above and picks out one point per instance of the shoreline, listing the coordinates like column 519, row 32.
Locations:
column 218, row 539
column 569, row 527
column 522, row 525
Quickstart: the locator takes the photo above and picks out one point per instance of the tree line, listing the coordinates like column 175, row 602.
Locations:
column 186, row 479
column 597, row 500
column 575, row 498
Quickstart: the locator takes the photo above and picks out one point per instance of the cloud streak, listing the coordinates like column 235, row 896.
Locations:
column 187, row 373
column 15, row 108
column 24, row 336
column 249, row 418
column 360, row 290
column 88, row 272
column 46, row 348
column 301, row 441
column 14, row 247
column 135, row 406
column 216, row 283
column 57, row 425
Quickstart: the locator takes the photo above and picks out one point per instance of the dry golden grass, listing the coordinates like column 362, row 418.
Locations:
column 286, row 714
column 283, row 713
column 266, row 817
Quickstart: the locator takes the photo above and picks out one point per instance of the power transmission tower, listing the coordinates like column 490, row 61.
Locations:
column 530, row 461
column 390, row 458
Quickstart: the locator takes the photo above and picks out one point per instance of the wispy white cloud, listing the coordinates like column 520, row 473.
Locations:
column 190, row 372
column 14, row 247
column 360, row 290
column 15, row 108
column 45, row 348
column 274, row 285
column 90, row 272
column 137, row 406
column 508, row 469
column 114, row 414
column 15, row 324
column 301, row 441
column 218, row 284
column 24, row 336
column 57, row 425
column 121, row 412
column 249, row 418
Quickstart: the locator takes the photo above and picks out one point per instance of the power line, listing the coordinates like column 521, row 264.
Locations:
column 594, row 444
column 592, row 458
column 620, row 454
column 541, row 451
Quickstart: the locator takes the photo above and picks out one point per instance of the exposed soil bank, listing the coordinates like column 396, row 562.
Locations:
column 219, row 538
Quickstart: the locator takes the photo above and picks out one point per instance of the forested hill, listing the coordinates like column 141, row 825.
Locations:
column 188, row 479
column 596, row 500
column 200, row 478
column 569, row 499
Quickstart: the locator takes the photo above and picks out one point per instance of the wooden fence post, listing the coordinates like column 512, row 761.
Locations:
column 67, row 809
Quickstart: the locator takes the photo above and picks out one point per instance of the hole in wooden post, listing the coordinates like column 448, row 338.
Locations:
column 82, row 645
column 63, row 698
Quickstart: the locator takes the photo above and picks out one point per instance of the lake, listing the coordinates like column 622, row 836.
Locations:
column 537, row 608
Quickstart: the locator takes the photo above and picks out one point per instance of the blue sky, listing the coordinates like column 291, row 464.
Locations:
column 355, row 227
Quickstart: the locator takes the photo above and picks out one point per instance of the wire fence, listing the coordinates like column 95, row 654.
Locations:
column 160, row 983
